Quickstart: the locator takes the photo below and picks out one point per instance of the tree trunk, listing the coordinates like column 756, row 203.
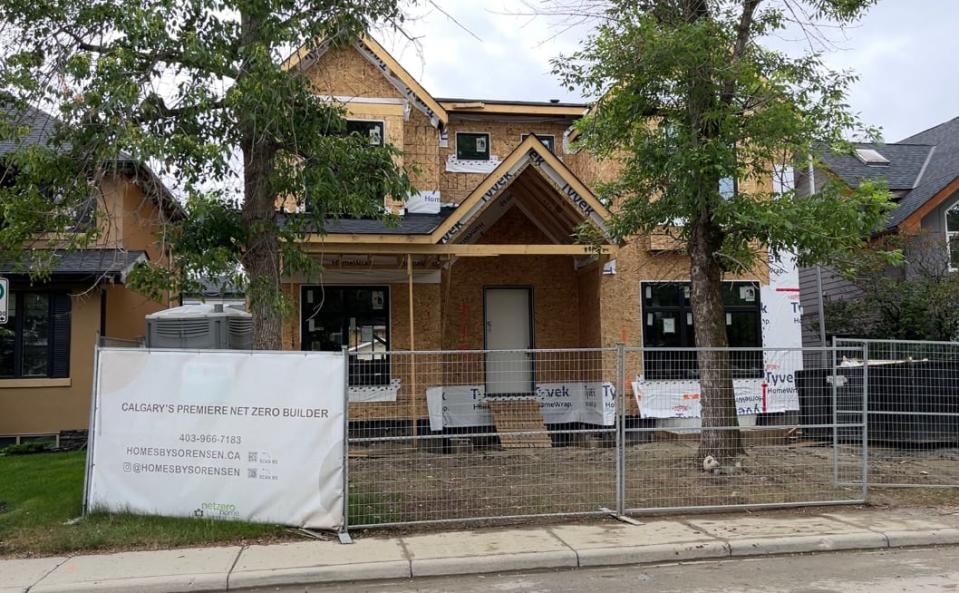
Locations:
column 720, row 424
column 261, row 258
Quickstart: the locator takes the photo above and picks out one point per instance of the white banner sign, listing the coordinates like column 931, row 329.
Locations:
column 252, row 436
column 458, row 406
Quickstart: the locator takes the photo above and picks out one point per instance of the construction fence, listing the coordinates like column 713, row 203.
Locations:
column 534, row 433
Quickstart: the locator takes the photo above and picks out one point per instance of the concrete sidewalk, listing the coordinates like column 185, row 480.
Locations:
column 481, row 551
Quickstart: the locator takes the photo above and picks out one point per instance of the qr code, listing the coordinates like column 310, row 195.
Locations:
column 251, row 456
column 251, row 473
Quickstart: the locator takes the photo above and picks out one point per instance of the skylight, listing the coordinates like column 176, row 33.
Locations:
column 871, row 157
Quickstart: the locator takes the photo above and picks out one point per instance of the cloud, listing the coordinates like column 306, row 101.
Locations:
column 903, row 52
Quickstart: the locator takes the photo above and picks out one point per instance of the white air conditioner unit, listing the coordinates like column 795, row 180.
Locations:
column 206, row 327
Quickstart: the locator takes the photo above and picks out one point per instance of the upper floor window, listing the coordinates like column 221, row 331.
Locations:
column 668, row 323
column 952, row 235
column 35, row 341
column 547, row 139
column 472, row 147
column 367, row 129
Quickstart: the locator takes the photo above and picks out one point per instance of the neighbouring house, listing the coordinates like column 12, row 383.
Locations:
column 922, row 173
column 484, row 255
column 47, row 344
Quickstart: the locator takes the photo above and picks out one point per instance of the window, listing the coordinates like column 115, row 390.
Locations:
column 952, row 235
column 871, row 157
column 668, row 323
column 472, row 147
column 367, row 129
column 35, row 342
column 547, row 139
column 353, row 316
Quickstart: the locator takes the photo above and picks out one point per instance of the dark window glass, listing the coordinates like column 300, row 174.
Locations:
column 35, row 341
column 353, row 316
column 472, row 147
column 367, row 129
column 668, row 323
column 8, row 340
column 548, row 140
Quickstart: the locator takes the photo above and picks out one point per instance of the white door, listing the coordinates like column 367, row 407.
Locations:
column 508, row 327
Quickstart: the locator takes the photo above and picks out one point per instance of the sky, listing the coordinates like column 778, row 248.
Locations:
column 904, row 52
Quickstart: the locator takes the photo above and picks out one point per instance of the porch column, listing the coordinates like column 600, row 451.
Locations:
column 412, row 411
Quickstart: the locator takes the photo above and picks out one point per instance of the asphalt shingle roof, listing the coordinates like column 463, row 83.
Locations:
column 905, row 164
column 40, row 127
column 79, row 263
column 920, row 166
column 75, row 264
column 408, row 224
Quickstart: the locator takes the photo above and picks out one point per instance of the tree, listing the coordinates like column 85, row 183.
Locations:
column 198, row 88
column 918, row 300
column 690, row 101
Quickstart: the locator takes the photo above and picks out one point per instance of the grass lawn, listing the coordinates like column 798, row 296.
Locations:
column 38, row 493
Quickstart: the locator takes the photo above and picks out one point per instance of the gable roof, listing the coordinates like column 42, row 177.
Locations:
column 906, row 162
column 923, row 170
column 40, row 127
column 303, row 58
column 530, row 153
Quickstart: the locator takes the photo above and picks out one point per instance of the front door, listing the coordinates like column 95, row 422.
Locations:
column 509, row 327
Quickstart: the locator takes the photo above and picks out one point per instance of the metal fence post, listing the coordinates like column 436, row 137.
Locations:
column 835, row 414
column 621, row 429
column 91, row 429
column 345, row 529
column 865, row 421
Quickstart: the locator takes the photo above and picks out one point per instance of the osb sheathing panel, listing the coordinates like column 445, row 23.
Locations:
column 504, row 138
column 343, row 72
column 421, row 151
column 555, row 294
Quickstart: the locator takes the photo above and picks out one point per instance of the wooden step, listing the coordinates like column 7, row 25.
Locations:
column 519, row 423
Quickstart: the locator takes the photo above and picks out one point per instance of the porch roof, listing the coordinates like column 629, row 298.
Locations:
column 532, row 177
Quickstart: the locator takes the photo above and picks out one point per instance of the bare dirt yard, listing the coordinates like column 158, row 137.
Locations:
column 398, row 481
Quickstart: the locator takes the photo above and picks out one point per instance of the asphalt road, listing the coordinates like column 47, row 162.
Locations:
column 928, row 570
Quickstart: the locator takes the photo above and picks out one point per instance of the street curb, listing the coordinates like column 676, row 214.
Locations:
column 493, row 563
column 371, row 571
column 653, row 554
column 181, row 583
column 497, row 563
column 767, row 546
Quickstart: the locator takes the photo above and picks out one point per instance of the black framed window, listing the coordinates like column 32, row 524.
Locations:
column 35, row 341
column 367, row 129
column 472, row 147
column 547, row 139
column 668, row 323
column 357, row 317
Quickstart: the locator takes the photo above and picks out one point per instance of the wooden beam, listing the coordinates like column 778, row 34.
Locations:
column 462, row 250
column 372, row 238
column 409, row 276
column 514, row 108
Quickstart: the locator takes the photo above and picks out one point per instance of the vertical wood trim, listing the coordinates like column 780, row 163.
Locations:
column 409, row 278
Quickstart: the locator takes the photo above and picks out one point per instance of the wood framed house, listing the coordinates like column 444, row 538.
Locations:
column 484, row 256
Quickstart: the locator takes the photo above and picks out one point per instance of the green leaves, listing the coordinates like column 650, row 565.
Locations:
column 687, row 97
column 197, row 90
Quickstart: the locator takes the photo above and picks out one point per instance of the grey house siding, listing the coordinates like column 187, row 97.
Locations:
column 834, row 286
